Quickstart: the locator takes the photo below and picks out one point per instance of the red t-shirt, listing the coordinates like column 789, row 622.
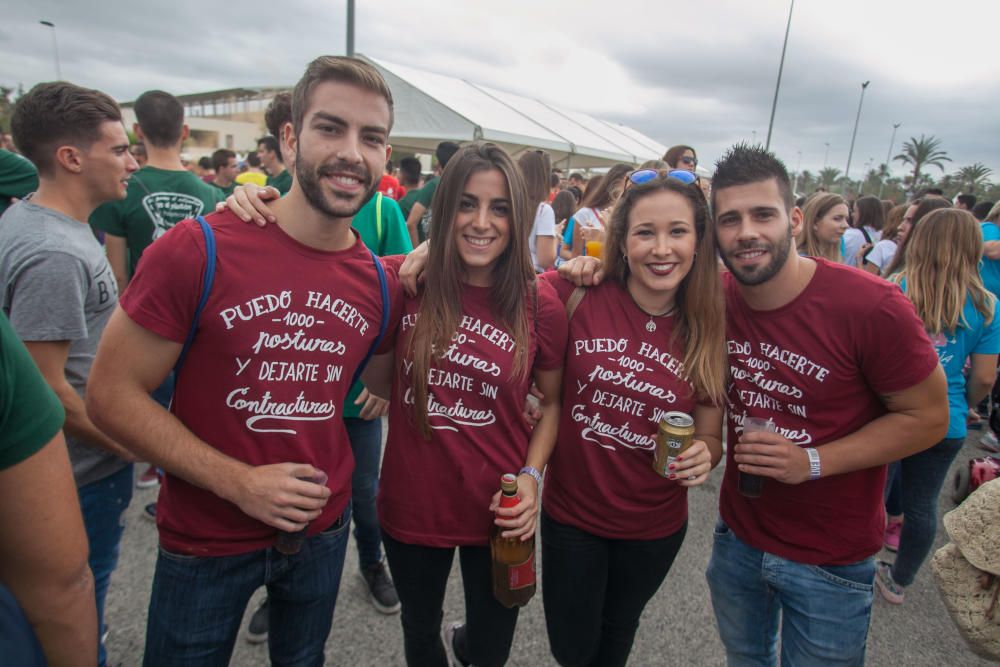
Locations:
column 283, row 331
column 390, row 187
column 618, row 381
column 817, row 366
column 437, row 492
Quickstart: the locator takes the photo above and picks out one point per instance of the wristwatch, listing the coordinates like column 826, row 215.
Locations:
column 531, row 470
column 814, row 467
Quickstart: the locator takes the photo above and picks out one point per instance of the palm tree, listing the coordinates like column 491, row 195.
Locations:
column 827, row 176
column 973, row 176
column 922, row 152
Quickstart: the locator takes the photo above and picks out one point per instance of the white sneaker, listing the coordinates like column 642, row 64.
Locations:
column 989, row 441
column 448, row 635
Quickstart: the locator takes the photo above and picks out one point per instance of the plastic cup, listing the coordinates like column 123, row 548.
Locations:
column 595, row 249
column 750, row 485
column 290, row 543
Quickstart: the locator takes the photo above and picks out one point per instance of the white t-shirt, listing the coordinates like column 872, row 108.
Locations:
column 854, row 239
column 545, row 225
column 882, row 254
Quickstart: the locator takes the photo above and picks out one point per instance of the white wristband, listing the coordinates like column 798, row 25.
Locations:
column 814, row 465
column 533, row 472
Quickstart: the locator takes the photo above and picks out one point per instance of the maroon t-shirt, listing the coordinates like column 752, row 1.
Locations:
column 619, row 380
column 817, row 366
column 437, row 492
column 283, row 331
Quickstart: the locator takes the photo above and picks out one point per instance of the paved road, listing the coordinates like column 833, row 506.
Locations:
column 677, row 628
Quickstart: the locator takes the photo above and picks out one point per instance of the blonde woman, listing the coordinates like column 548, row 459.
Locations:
column 941, row 278
column 825, row 222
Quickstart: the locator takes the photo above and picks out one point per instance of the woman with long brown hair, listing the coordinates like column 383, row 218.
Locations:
column 824, row 222
column 914, row 214
column 536, row 168
column 466, row 352
column 645, row 343
column 885, row 248
column 941, row 278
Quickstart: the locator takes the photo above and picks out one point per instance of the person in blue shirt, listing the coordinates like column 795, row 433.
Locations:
column 941, row 278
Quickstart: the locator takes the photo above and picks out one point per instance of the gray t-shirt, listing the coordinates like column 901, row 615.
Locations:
column 58, row 285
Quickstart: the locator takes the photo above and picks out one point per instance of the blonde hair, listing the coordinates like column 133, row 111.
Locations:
column 942, row 270
column 808, row 244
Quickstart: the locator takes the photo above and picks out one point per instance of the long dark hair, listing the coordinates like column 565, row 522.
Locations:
column 536, row 168
column 441, row 300
column 924, row 206
column 869, row 212
column 699, row 301
column 610, row 186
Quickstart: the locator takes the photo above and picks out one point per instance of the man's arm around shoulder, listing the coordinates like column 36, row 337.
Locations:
column 131, row 362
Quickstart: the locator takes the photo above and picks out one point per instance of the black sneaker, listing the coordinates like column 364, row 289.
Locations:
column 149, row 511
column 451, row 653
column 257, row 628
column 380, row 588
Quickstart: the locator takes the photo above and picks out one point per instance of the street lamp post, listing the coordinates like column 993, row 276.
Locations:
column 888, row 157
column 781, row 66
column 798, row 172
column 850, row 153
column 826, row 155
column 350, row 28
column 55, row 47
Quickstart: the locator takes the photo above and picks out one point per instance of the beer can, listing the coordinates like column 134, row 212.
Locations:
column 673, row 437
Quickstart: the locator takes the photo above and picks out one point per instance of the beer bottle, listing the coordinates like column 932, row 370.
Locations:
column 513, row 559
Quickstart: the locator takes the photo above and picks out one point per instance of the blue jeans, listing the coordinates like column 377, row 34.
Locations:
column 922, row 476
column 197, row 602
column 366, row 443
column 18, row 643
column 103, row 504
column 824, row 610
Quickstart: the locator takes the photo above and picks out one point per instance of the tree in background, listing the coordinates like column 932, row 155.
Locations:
column 973, row 177
column 919, row 153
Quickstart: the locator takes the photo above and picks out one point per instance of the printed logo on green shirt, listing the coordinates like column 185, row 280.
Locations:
column 168, row 208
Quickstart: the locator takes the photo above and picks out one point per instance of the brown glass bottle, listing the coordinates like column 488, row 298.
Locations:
column 513, row 559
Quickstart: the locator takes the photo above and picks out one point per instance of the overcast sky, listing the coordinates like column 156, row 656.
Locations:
column 699, row 73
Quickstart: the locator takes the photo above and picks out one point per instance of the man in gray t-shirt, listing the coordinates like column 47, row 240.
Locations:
column 58, row 286
column 58, row 289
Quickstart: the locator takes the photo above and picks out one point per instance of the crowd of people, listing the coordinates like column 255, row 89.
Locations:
column 502, row 317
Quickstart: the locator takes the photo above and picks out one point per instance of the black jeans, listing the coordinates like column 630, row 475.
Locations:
column 421, row 576
column 594, row 590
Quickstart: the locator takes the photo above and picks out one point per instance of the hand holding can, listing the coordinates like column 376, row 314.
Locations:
column 750, row 485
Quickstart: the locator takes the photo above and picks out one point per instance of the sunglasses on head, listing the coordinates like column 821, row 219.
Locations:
column 640, row 176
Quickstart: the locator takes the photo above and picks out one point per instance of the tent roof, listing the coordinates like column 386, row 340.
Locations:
column 431, row 108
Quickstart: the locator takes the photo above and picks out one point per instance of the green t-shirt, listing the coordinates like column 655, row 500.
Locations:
column 394, row 239
column 225, row 191
column 406, row 203
column 426, row 197
column 30, row 413
column 157, row 200
column 282, row 181
column 18, row 178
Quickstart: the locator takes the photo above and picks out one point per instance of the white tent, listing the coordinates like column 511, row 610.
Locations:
column 431, row 108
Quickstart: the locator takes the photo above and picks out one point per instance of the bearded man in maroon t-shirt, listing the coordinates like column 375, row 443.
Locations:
column 254, row 445
column 839, row 362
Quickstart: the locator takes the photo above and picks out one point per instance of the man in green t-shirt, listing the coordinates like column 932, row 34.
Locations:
column 409, row 177
column 418, row 222
column 269, row 152
column 160, row 195
column 226, row 170
column 18, row 178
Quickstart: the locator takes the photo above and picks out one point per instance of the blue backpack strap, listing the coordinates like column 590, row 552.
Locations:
column 206, row 287
column 384, row 324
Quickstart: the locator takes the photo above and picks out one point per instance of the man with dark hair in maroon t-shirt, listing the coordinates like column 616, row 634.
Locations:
column 254, row 446
column 839, row 362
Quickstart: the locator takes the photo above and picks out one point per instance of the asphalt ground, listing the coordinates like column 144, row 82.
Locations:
column 677, row 627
